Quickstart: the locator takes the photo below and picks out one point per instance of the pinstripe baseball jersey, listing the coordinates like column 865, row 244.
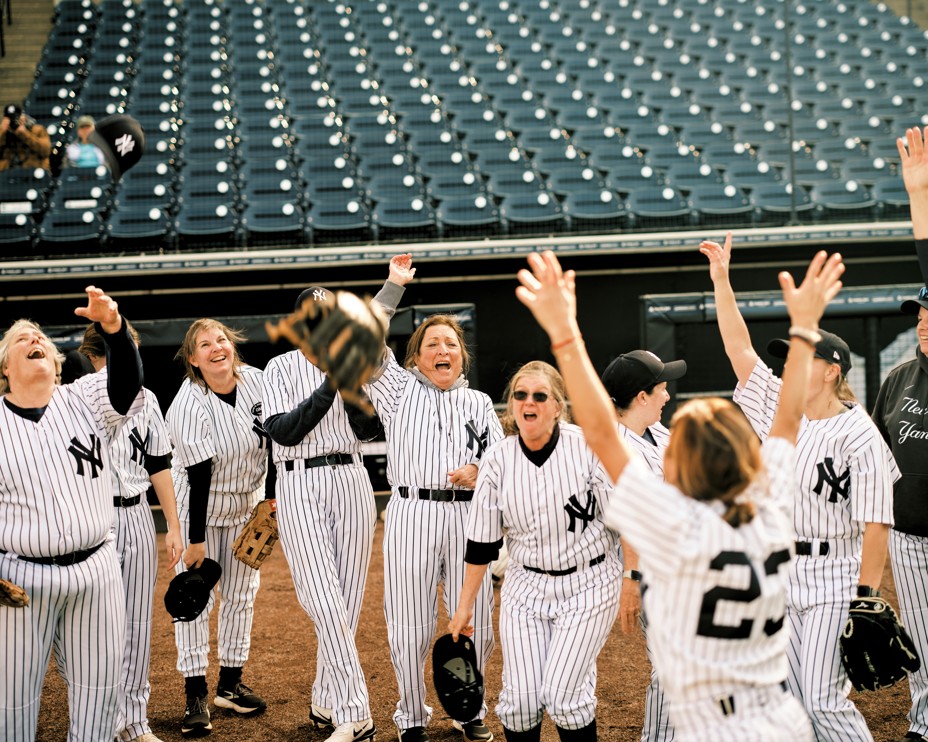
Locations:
column 145, row 434
column 716, row 594
column 289, row 379
column 55, row 489
column 844, row 468
column 411, row 408
column 202, row 427
column 553, row 512
column 652, row 454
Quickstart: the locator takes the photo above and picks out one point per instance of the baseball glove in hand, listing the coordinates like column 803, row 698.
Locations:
column 256, row 541
column 343, row 335
column 875, row 648
column 12, row 595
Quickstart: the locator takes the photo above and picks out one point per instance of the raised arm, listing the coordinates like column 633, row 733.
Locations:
column 805, row 306
column 734, row 331
column 550, row 295
column 913, row 151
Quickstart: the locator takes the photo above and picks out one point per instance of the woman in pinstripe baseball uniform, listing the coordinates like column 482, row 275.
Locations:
column 437, row 430
column 637, row 385
column 56, row 518
column 842, row 516
column 715, row 539
column 899, row 413
column 140, row 458
column 326, row 515
column 546, row 488
column 221, row 457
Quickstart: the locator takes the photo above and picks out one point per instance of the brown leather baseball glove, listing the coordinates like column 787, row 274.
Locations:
column 12, row 595
column 256, row 541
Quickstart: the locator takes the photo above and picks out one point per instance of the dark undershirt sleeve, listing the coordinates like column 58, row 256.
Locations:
column 124, row 379
column 921, row 249
column 365, row 427
column 270, row 481
column 289, row 428
column 154, row 464
column 199, row 475
column 481, row 552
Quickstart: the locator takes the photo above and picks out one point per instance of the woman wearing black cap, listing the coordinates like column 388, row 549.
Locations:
column 842, row 514
column 637, row 384
column 899, row 413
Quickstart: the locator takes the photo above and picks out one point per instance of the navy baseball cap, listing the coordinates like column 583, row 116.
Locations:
column 637, row 370
column 316, row 293
column 911, row 306
column 830, row 348
column 188, row 593
column 121, row 140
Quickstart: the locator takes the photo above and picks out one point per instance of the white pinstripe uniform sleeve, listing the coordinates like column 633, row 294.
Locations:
column 759, row 397
column 189, row 425
column 160, row 443
column 485, row 520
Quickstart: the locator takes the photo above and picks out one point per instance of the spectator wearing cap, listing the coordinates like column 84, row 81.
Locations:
column 899, row 414
column 82, row 152
column 637, row 383
column 24, row 143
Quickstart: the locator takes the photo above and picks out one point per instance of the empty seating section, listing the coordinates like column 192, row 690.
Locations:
column 295, row 122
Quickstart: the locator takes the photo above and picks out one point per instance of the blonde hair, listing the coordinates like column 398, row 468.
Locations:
column 18, row 327
column 715, row 455
column 555, row 381
column 418, row 336
column 843, row 390
column 189, row 345
column 93, row 345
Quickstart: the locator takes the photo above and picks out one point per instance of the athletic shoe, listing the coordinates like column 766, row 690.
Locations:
column 353, row 731
column 413, row 734
column 914, row 735
column 147, row 737
column 240, row 699
column 320, row 717
column 196, row 718
column 474, row 731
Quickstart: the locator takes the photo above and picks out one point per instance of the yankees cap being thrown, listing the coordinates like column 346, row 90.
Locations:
column 911, row 306
column 830, row 348
column 637, row 370
column 316, row 293
column 121, row 140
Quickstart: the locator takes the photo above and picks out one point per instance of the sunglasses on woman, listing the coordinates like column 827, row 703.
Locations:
column 521, row 395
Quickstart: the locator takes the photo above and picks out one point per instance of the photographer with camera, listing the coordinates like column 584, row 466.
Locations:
column 24, row 143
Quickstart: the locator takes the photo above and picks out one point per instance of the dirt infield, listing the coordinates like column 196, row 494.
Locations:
column 282, row 664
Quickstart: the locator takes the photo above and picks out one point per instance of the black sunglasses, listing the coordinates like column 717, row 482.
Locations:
column 539, row 397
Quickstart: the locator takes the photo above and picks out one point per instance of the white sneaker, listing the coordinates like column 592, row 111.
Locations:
column 353, row 731
column 321, row 717
column 147, row 737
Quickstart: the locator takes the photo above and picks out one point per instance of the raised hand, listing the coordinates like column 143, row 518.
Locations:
column 719, row 257
column 913, row 151
column 550, row 295
column 401, row 270
column 101, row 308
column 806, row 303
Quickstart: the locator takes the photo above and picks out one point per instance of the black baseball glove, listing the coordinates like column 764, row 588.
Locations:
column 343, row 335
column 875, row 648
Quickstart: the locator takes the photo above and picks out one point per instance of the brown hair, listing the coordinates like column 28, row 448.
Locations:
column 715, row 455
column 555, row 381
column 415, row 342
column 843, row 390
column 189, row 345
column 92, row 344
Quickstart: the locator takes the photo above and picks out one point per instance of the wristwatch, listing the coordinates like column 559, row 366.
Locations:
column 632, row 574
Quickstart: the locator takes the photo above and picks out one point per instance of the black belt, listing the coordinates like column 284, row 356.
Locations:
column 804, row 548
column 727, row 704
column 62, row 560
column 330, row 459
column 562, row 572
column 126, row 502
column 437, row 495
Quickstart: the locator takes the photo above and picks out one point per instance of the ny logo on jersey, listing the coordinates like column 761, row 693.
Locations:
column 476, row 442
column 91, row 454
column 840, row 485
column 583, row 513
column 139, row 446
column 263, row 437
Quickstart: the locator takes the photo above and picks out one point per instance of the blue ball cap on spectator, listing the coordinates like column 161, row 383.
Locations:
column 912, row 306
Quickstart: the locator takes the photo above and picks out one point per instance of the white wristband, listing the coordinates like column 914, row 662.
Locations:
column 812, row 337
